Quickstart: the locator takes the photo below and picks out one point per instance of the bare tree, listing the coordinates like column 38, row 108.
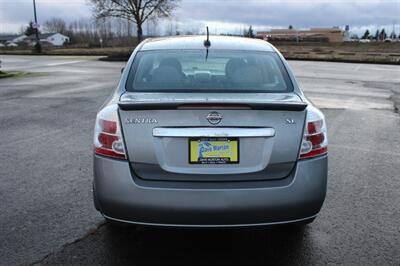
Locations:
column 137, row 11
column 56, row 25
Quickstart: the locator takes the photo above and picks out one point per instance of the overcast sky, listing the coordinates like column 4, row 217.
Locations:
column 229, row 15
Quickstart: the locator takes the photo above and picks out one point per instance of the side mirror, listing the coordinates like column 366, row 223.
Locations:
column 122, row 70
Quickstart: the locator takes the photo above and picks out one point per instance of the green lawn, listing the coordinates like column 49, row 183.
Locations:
column 12, row 74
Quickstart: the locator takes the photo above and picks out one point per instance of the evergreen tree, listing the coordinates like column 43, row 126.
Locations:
column 366, row 35
column 30, row 29
column 376, row 35
column 382, row 35
column 249, row 33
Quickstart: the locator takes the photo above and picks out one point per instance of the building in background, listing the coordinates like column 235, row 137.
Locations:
column 54, row 39
column 11, row 40
column 50, row 39
column 334, row 35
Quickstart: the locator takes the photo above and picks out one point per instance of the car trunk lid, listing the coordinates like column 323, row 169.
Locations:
column 161, row 130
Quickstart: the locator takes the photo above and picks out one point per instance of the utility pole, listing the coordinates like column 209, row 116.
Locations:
column 38, row 47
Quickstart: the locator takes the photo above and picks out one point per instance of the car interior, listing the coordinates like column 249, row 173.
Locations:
column 169, row 72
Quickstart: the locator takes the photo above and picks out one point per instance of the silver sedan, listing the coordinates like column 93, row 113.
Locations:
column 210, row 132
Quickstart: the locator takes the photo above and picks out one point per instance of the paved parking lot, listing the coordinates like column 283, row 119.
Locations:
column 46, row 212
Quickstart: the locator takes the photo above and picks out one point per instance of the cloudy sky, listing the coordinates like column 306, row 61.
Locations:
column 229, row 15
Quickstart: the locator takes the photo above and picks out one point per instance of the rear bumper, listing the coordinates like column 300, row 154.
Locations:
column 119, row 197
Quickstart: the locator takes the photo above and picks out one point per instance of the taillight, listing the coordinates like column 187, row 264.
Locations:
column 315, row 140
column 107, row 134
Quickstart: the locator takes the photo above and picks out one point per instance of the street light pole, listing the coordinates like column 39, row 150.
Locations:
column 38, row 47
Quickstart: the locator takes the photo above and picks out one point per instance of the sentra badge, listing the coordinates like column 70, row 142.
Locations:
column 141, row 120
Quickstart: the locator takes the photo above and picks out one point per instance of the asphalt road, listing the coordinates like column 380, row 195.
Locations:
column 46, row 212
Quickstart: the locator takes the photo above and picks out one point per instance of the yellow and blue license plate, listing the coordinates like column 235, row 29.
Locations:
column 213, row 150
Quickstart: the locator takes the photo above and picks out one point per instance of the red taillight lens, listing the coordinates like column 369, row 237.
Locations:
column 108, row 126
column 107, row 140
column 107, row 136
column 315, row 141
column 314, row 127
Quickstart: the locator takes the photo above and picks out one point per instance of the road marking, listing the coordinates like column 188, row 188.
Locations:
column 76, row 90
column 64, row 63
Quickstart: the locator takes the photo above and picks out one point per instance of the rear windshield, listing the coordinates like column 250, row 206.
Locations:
column 217, row 71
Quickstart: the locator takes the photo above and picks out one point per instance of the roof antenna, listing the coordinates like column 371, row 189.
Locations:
column 207, row 42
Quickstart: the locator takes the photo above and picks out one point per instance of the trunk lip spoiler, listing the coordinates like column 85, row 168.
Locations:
column 171, row 101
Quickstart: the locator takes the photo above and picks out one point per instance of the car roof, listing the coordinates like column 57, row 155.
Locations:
column 197, row 42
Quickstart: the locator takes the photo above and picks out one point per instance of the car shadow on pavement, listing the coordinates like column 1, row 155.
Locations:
column 111, row 245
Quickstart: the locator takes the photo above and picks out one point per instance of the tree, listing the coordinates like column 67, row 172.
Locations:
column 56, row 25
column 290, row 27
column 366, row 35
column 137, row 11
column 376, row 35
column 382, row 35
column 30, row 30
column 249, row 33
